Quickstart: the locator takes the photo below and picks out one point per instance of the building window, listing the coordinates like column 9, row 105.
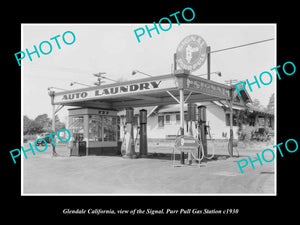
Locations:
column 161, row 121
column 95, row 128
column 168, row 119
column 261, row 121
column 252, row 121
column 234, row 120
column 102, row 128
column 236, row 99
column 76, row 125
column 76, row 128
column 109, row 128
column 185, row 116
column 177, row 118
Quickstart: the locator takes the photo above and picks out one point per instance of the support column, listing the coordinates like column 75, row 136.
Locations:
column 51, row 94
column 202, row 127
column 181, row 76
column 143, row 133
column 230, row 144
column 181, row 96
column 175, row 63
column 130, row 151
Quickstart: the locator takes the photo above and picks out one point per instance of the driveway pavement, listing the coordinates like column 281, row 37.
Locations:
column 44, row 174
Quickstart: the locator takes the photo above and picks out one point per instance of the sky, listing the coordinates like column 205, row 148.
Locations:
column 114, row 49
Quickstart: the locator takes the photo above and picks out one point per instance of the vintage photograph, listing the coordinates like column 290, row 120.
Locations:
column 179, row 110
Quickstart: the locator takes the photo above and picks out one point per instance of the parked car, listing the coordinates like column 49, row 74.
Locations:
column 261, row 134
column 43, row 136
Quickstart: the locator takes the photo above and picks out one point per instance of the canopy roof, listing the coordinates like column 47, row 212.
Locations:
column 150, row 91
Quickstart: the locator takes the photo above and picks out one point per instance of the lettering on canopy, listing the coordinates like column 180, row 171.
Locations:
column 208, row 88
column 117, row 90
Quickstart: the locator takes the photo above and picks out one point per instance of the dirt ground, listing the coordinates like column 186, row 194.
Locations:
column 44, row 174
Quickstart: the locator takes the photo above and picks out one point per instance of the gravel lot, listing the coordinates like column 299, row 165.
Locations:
column 44, row 174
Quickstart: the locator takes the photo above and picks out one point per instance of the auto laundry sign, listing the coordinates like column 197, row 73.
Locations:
column 116, row 90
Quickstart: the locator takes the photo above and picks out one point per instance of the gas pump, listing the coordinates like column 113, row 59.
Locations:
column 143, row 133
column 193, row 143
column 136, row 128
column 129, row 137
column 208, row 132
column 202, row 127
column 191, row 122
column 140, row 135
column 123, row 146
column 203, row 130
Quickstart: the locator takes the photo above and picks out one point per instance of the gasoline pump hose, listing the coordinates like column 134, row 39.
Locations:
column 202, row 151
column 136, row 136
column 123, row 140
column 199, row 136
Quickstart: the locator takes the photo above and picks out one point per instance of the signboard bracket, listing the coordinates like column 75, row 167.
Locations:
column 173, row 97
column 187, row 98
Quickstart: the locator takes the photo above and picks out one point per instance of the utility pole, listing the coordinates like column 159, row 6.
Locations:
column 99, row 75
column 231, row 82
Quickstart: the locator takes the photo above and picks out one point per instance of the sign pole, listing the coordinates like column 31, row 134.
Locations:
column 208, row 62
column 182, row 80
column 230, row 144
column 175, row 65
column 181, row 96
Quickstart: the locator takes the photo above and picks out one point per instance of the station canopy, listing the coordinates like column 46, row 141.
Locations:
column 150, row 91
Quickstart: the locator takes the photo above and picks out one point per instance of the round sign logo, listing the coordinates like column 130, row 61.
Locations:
column 182, row 141
column 191, row 52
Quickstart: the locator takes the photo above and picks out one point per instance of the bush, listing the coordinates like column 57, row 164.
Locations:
column 245, row 133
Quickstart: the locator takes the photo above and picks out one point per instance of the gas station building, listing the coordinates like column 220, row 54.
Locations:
column 95, row 120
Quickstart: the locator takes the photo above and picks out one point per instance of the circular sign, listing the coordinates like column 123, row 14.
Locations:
column 182, row 141
column 191, row 52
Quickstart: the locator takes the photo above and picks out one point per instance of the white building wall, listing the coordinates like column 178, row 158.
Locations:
column 215, row 118
column 154, row 131
column 217, row 122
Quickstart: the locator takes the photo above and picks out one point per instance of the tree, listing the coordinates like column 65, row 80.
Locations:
column 42, row 123
column 242, row 117
column 26, row 123
column 271, row 104
column 256, row 105
column 35, row 127
column 43, row 120
column 58, row 125
column 31, row 126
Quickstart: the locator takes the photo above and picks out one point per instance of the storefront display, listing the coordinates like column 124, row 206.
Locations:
column 98, row 128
